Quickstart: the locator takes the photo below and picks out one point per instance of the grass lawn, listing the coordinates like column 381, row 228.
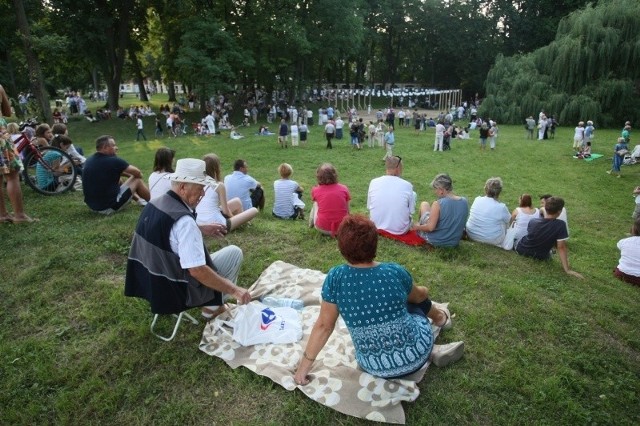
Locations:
column 541, row 347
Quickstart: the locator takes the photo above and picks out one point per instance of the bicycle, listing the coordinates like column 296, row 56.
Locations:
column 47, row 170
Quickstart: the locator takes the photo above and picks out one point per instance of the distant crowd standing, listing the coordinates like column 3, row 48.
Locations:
column 109, row 182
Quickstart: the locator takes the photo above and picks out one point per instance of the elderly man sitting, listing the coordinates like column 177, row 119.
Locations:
column 168, row 262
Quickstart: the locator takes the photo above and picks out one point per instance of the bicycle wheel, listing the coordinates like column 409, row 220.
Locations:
column 49, row 171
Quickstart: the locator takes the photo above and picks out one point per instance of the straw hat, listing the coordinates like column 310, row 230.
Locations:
column 191, row 170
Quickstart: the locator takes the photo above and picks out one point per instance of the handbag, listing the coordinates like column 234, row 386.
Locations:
column 509, row 237
column 622, row 152
column 256, row 323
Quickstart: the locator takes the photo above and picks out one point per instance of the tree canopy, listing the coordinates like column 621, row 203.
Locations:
column 292, row 45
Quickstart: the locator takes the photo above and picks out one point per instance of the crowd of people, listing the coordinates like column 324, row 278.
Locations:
column 185, row 203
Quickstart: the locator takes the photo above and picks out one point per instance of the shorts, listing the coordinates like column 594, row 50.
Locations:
column 123, row 198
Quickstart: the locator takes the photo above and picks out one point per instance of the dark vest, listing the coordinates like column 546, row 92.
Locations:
column 153, row 270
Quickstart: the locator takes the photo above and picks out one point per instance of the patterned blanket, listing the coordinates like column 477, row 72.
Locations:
column 337, row 382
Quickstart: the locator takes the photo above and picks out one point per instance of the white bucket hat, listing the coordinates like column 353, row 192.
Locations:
column 191, row 170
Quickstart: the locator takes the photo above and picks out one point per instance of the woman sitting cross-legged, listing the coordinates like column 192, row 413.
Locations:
column 396, row 338
column 442, row 223
column 214, row 207
column 330, row 201
column 488, row 217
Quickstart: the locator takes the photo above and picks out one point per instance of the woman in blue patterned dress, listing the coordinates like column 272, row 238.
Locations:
column 387, row 316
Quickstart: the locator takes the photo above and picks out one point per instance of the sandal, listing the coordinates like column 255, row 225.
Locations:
column 25, row 219
column 209, row 314
column 7, row 219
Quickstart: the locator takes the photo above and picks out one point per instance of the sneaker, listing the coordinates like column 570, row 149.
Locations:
column 142, row 202
column 443, row 355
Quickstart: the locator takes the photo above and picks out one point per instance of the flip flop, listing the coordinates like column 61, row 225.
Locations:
column 25, row 220
column 7, row 219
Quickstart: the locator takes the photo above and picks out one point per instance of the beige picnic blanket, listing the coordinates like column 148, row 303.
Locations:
column 337, row 381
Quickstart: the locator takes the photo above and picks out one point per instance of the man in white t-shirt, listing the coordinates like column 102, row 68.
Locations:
column 391, row 200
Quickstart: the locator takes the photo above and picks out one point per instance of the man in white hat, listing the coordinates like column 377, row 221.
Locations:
column 101, row 174
column 168, row 262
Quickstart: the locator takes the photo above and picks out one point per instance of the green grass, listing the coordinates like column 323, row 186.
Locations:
column 541, row 347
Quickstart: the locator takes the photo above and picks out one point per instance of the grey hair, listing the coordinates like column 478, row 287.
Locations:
column 442, row 181
column 493, row 187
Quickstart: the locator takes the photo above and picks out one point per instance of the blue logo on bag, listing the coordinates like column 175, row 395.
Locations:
column 268, row 317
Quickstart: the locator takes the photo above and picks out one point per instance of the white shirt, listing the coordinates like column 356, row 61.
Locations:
column 391, row 202
column 208, row 209
column 294, row 130
column 139, row 123
column 158, row 185
column 629, row 262
column 488, row 219
column 185, row 239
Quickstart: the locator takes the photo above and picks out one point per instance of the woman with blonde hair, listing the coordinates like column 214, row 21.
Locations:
column 214, row 207
column 287, row 203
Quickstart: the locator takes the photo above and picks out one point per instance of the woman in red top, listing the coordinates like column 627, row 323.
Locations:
column 330, row 201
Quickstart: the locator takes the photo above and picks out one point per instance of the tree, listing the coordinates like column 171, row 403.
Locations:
column 210, row 66
column 35, row 74
column 590, row 70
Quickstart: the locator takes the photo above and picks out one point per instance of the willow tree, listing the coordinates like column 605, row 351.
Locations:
column 590, row 70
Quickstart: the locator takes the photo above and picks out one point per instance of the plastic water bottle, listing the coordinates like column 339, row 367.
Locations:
column 281, row 302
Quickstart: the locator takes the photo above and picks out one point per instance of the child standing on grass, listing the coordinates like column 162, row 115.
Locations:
column 140, row 128
column 619, row 151
column 578, row 136
column 159, row 130
column 484, row 134
column 304, row 130
column 295, row 135
column 493, row 134
column 283, row 131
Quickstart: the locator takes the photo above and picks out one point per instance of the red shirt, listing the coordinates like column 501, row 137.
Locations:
column 333, row 205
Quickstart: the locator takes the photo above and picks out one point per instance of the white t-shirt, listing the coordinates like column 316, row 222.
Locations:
column 208, row 209
column 158, row 185
column 139, row 123
column 391, row 202
column 522, row 222
column 294, row 130
column 629, row 262
column 488, row 219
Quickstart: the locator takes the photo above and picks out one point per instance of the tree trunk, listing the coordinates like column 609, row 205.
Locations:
column 171, row 91
column 35, row 73
column 116, row 49
column 138, row 73
column 94, row 77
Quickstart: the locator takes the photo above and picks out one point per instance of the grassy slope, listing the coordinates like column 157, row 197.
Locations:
column 541, row 347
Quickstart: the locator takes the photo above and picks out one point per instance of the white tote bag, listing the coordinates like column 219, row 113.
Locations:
column 509, row 237
column 256, row 323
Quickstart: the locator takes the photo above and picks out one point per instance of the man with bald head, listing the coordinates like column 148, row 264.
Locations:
column 391, row 200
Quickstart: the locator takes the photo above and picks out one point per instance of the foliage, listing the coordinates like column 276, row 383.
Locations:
column 590, row 71
column 215, row 60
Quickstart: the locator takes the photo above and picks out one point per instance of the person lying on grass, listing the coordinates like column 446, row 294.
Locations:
column 396, row 338
column 544, row 233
